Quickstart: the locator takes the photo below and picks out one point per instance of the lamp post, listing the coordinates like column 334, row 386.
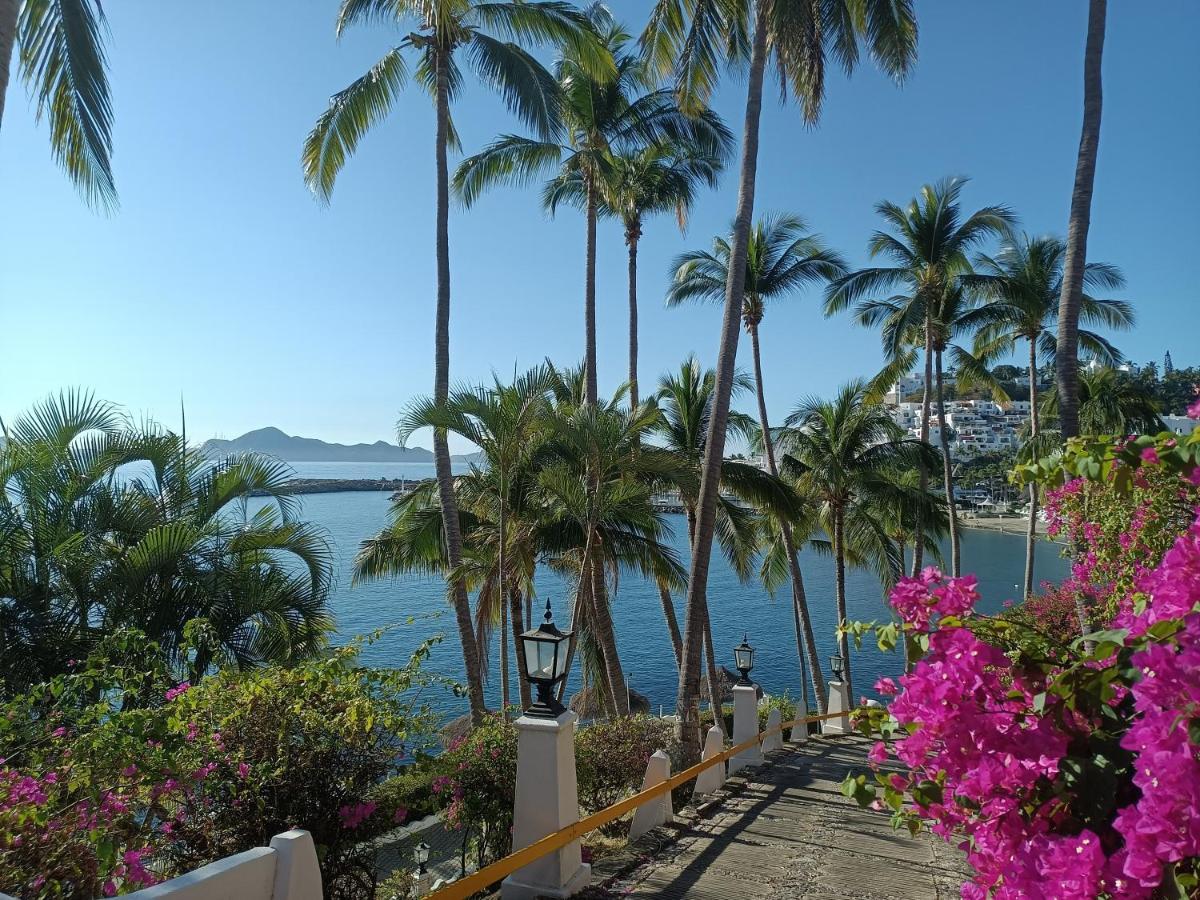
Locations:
column 743, row 660
column 545, row 663
column 839, row 699
column 837, row 665
column 421, row 854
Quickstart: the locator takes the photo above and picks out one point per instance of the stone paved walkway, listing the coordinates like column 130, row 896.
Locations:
column 786, row 831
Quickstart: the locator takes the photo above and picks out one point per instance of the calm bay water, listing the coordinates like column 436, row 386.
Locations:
column 997, row 559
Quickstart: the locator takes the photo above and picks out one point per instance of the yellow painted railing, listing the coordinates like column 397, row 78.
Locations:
column 477, row 881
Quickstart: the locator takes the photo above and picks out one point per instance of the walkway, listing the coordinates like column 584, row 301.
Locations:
column 786, row 831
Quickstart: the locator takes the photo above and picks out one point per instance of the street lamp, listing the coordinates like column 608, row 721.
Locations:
column 421, row 853
column 743, row 659
column 838, row 666
column 545, row 661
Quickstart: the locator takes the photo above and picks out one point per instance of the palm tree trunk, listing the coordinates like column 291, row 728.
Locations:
column 606, row 635
column 1031, row 533
column 668, row 605
column 589, row 301
column 1067, row 360
column 8, row 40
column 583, row 602
column 633, row 233
column 714, row 680
column 518, row 626
column 441, row 388
column 805, row 641
column 839, row 554
column 919, row 544
column 947, row 471
column 687, row 697
column 505, row 696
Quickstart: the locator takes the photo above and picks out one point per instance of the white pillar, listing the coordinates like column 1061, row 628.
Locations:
column 745, row 725
column 547, row 800
column 658, row 811
column 839, row 702
column 297, row 872
column 712, row 778
column 800, row 730
column 774, row 741
column 422, row 883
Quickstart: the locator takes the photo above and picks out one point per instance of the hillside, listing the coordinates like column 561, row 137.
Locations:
column 274, row 442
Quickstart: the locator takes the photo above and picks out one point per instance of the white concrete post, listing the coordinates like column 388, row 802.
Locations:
column 547, row 800
column 800, row 731
column 839, row 702
column 422, row 883
column 745, row 725
column 770, row 741
column 657, row 811
column 712, row 778
column 297, row 873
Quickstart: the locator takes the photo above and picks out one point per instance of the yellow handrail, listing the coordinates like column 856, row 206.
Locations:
column 477, row 881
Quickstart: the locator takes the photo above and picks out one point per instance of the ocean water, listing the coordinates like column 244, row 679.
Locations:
column 737, row 609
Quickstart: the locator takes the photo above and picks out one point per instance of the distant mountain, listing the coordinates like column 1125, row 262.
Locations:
column 274, row 442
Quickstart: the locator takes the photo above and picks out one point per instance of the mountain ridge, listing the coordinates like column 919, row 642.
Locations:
column 293, row 448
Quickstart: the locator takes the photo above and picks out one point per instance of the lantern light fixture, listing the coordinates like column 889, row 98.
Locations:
column 544, row 660
column 743, row 659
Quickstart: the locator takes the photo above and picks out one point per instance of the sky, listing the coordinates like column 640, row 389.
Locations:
column 222, row 281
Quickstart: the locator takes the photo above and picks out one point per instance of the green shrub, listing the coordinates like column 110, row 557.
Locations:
column 611, row 758
column 788, row 709
column 478, row 787
column 409, row 796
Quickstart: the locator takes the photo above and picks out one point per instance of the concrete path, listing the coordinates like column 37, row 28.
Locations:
column 786, row 831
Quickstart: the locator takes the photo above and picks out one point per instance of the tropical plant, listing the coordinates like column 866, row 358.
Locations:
column 929, row 247
column 1021, row 287
column 107, row 525
column 60, row 51
column 443, row 29
column 688, row 39
column 1075, row 260
column 780, row 260
column 1109, row 403
column 600, row 117
column 844, row 453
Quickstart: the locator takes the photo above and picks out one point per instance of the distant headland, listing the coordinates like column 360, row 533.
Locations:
column 288, row 447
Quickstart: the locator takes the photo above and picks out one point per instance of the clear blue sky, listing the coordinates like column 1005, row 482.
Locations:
column 221, row 279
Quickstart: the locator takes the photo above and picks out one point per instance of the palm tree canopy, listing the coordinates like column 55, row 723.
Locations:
column 781, row 259
column 1021, row 287
column 689, row 39
column 63, row 64
column 596, row 119
column 1110, row 403
column 491, row 35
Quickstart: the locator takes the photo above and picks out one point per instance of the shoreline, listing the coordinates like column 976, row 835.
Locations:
column 1007, row 525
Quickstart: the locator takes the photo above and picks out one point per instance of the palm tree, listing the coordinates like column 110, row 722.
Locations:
column 61, row 56
column 443, row 28
column 688, row 40
column 1022, row 288
column 781, row 259
column 930, row 247
column 1110, row 403
column 601, row 117
column 845, row 453
column 1080, row 220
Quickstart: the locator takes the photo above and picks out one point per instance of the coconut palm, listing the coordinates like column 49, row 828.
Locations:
column 446, row 30
column 689, row 39
column 929, row 244
column 168, row 547
column 601, row 118
column 844, row 453
column 1075, row 261
column 60, row 51
column 1110, row 403
column 1022, row 288
column 781, row 259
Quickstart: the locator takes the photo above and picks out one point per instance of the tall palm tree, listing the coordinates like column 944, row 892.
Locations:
column 781, row 259
column 1022, row 289
column 845, row 453
column 688, row 38
column 60, row 51
column 601, row 117
column 443, row 29
column 1080, row 219
column 929, row 244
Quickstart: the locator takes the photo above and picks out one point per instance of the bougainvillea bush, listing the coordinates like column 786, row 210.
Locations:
column 1065, row 769
column 114, row 777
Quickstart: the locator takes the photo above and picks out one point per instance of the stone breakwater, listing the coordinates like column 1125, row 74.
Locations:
column 394, row 486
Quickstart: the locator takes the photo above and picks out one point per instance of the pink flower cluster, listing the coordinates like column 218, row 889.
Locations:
column 917, row 600
column 353, row 815
column 181, row 688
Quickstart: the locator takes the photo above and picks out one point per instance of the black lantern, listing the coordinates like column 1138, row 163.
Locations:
column 421, row 853
column 545, row 662
column 837, row 665
column 743, row 659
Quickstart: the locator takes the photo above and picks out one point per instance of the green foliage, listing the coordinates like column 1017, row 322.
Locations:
column 611, row 759
column 480, row 788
